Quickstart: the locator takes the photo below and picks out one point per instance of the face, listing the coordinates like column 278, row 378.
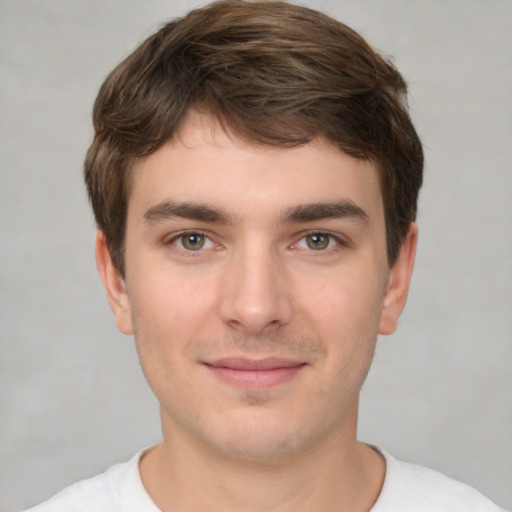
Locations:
column 256, row 284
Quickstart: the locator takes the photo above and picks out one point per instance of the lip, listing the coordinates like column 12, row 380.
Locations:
column 255, row 373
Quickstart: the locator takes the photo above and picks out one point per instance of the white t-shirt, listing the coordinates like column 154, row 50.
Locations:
column 407, row 488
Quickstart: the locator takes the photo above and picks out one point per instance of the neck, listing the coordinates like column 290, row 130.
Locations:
column 337, row 473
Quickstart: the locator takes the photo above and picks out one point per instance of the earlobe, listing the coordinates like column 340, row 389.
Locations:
column 114, row 285
column 398, row 283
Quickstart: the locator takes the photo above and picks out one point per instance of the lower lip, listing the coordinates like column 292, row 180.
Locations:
column 256, row 379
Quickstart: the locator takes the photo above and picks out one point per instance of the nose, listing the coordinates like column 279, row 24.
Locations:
column 255, row 296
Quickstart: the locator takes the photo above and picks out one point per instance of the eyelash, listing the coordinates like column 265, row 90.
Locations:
column 181, row 235
column 340, row 243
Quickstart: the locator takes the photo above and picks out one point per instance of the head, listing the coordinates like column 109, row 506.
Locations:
column 273, row 74
column 254, row 176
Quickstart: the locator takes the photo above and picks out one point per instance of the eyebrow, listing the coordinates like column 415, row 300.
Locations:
column 193, row 211
column 320, row 211
column 301, row 213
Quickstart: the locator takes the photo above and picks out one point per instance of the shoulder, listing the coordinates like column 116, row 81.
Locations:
column 90, row 494
column 411, row 487
column 119, row 489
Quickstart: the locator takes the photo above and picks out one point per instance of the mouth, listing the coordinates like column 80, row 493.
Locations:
column 255, row 373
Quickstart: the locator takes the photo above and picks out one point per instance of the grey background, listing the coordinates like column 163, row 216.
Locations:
column 72, row 398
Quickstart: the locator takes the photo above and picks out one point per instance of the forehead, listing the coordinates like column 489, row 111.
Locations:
column 206, row 164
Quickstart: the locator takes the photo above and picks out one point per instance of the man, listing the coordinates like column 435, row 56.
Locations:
column 254, row 177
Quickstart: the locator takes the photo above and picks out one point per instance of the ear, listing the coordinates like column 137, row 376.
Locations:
column 114, row 285
column 398, row 283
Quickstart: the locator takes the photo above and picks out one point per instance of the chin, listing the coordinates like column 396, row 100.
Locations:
column 263, row 437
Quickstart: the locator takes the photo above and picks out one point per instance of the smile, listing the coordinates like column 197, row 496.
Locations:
column 255, row 374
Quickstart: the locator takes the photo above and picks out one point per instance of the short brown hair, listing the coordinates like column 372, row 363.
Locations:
column 273, row 73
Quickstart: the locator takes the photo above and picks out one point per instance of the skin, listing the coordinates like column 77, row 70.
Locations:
column 247, row 253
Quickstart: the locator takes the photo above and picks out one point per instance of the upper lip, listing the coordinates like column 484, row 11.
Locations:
column 241, row 363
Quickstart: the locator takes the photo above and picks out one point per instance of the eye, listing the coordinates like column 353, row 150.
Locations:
column 192, row 241
column 318, row 242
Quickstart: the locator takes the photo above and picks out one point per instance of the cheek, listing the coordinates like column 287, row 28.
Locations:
column 167, row 319
column 171, row 303
column 344, row 314
column 344, row 303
